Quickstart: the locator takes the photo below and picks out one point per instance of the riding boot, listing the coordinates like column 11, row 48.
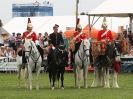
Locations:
column 24, row 61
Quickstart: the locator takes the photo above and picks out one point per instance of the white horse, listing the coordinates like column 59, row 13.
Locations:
column 34, row 62
column 82, row 61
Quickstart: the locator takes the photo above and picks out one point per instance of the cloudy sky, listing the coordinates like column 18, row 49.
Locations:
column 61, row 7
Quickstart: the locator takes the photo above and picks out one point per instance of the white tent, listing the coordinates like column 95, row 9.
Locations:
column 114, row 8
column 44, row 24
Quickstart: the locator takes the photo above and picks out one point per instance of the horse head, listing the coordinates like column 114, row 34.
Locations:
column 85, row 47
column 29, row 48
column 61, row 54
column 113, row 50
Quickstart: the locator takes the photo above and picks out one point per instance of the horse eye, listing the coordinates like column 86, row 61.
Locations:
column 29, row 47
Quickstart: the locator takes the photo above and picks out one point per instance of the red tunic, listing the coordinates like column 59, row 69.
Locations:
column 79, row 37
column 102, row 35
column 32, row 36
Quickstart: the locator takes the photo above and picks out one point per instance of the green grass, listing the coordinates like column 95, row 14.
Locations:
column 9, row 89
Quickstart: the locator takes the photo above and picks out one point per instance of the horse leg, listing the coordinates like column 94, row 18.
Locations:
column 37, row 78
column 101, row 76
column 75, row 76
column 30, row 77
column 62, row 79
column 19, row 75
column 54, row 79
column 79, row 72
column 107, row 78
column 58, row 77
column 50, row 78
column 85, row 72
column 95, row 81
column 115, row 83
column 25, row 75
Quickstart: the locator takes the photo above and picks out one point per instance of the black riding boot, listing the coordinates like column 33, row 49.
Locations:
column 24, row 61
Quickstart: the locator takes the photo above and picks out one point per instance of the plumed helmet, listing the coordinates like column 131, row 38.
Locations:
column 104, row 23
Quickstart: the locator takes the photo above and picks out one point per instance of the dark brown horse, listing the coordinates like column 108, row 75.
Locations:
column 57, row 60
column 105, row 62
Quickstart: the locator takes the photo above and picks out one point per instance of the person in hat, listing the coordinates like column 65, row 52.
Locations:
column 29, row 34
column 78, row 37
column 104, row 34
column 55, row 39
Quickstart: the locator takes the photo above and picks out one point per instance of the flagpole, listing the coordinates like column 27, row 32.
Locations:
column 77, row 2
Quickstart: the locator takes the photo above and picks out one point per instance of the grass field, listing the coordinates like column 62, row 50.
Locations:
column 9, row 89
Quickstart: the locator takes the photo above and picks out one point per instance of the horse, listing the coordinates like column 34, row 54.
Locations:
column 34, row 62
column 57, row 60
column 82, row 60
column 104, row 63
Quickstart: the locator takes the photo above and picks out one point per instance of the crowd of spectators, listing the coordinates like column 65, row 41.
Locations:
column 9, row 47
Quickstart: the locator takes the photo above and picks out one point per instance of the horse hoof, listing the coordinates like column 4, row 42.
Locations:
column 53, row 88
column 106, row 86
column 115, row 86
column 62, row 88
column 86, row 87
column 37, row 88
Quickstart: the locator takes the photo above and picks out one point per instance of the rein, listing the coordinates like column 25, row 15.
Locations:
column 84, row 54
column 32, row 56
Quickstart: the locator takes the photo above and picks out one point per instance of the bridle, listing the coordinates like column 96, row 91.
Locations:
column 84, row 53
column 30, row 53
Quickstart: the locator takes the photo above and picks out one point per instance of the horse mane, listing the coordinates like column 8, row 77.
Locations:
column 33, row 44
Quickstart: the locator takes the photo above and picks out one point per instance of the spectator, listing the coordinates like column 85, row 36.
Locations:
column 18, row 40
column 12, row 40
column 40, row 39
column 130, row 37
column 45, row 39
column 2, row 50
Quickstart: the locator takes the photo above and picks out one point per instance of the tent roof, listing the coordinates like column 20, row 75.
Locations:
column 3, row 31
column 114, row 8
column 44, row 24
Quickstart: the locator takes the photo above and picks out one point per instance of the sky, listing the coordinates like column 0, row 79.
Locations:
column 61, row 7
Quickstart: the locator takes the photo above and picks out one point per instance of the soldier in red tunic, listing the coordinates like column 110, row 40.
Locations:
column 78, row 37
column 104, row 34
column 29, row 34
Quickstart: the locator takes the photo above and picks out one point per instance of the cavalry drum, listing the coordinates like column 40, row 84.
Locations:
column 98, row 48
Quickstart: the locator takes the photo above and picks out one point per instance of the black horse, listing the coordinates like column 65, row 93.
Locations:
column 103, row 63
column 57, row 60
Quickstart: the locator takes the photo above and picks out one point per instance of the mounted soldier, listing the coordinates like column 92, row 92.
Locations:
column 29, row 35
column 106, row 55
column 78, row 37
